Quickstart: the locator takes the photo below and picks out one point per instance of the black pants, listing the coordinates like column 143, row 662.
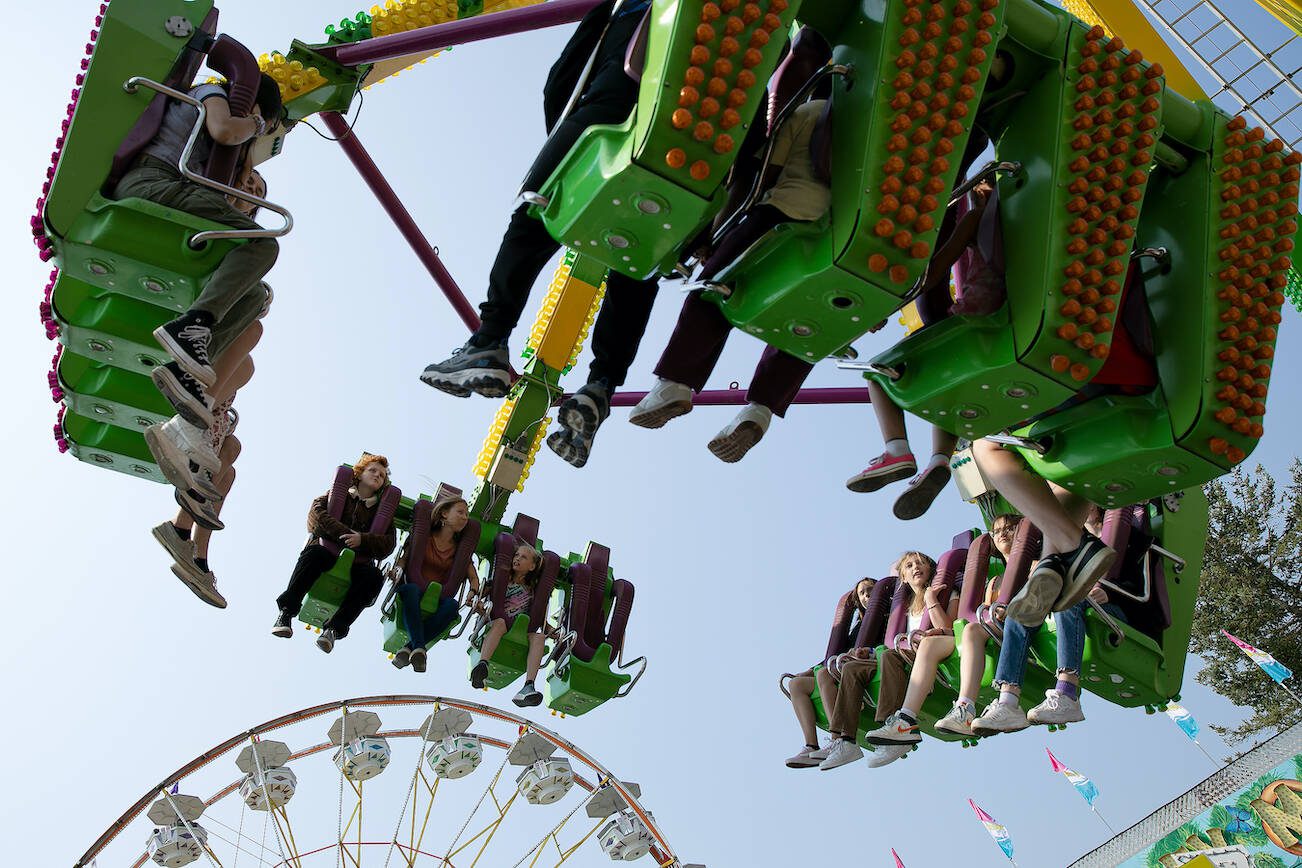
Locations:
column 364, row 585
column 527, row 247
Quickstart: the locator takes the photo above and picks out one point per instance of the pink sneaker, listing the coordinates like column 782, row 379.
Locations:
column 881, row 471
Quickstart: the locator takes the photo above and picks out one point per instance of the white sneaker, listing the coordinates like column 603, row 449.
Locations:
column 821, row 754
column 958, row 721
column 895, row 730
column 885, row 754
column 666, row 400
column 176, row 445
column 805, row 759
column 744, row 431
column 999, row 717
column 1057, row 709
column 843, row 751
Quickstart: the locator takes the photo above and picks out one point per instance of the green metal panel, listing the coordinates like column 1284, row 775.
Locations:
column 109, row 446
column 510, row 659
column 140, row 249
column 110, row 394
column 577, row 687
column 132, row 41
column 110, row 329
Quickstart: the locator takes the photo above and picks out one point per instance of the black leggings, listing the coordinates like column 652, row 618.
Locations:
column 364, row 585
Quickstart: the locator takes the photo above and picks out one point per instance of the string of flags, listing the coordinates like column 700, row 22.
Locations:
column 1000, row 833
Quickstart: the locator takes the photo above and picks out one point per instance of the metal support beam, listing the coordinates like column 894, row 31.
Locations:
column 439, row 36
column 401, row 217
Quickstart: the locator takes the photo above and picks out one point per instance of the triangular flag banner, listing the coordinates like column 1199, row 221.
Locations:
column 1083, row 785
column 1001, row 835
column 1183, row 719
column 898, row 863
column 1268, row 664
column 176, row 788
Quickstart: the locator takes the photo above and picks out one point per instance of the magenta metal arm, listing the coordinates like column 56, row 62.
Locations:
column 440, row 36
column 737, row 397
column 401, row 217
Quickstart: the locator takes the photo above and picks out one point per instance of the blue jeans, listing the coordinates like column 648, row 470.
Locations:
column 421, row 628
column 1017, row 640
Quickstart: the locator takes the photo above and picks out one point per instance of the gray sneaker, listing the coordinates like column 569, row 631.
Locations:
column 181, row 550
column 482, row 370
column 570, row 445
column 1036, row 598
column 958, row 721
column 326, row 641
column 585, row 410
column 528, row 696
column 199, row 508
column 202, row 582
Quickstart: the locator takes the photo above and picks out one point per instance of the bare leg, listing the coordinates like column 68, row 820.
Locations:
column 534, row 660
column 972, row 661
column 890, row 418
column 931, row 651
column 229, row 452
column 496, row 631
column 235, row 368
column 827, row 689
column 942, row 442
column 1030, row 495
column 802, row 702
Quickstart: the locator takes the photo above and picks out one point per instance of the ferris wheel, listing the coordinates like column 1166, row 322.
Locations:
column 310, row 788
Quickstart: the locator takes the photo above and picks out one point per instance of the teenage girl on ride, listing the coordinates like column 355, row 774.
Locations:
column 916, row 570
column 801, row 688
column 446, row 524
column 526, row 569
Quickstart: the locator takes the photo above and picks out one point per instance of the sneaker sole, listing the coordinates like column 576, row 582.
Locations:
column 954, row 730
column 193, row 510
column 865, row 483
column 325, row 646
column 733, row 447
column 827, row 767
column 419, row 667
column 192, row 411
column 914, row 502
column 1093, row 570
column 174, row 463
column 203, row 373
column 804, row 764
column 912, row 738
column 984, row 732
column 529, row 701
column 200, row 590
column 489, row 383
column 1039, row 721
column 579, row 417
column 400, row 663
column 282, row 632
column 477, row 680
column 656, row 417
column 1035, row 601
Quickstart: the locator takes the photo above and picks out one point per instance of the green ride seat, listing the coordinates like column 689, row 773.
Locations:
column 113, row 395
column 585, row 675
column 631, row 195
column 107, row 445
column 1215, row 298
column 327, row 593
column 975, row 375
column 811, row 291
column 510, row 660
column 393, row 627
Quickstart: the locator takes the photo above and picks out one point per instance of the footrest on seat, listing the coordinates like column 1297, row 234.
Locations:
column 576, row 687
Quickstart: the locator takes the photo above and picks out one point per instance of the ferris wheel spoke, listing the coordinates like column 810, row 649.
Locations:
column 449, row 851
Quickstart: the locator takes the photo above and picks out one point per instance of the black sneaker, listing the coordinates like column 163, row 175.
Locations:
column 585, row 410
column 284, row 626
column 401, row 658
column 199, row 508
column 570, row 445
column 187, row 342
column 418, row 659
column 483, row 370
column 921, row 492
column 326, row 641
column 1085, row 565
column 479, row 675
column 184, row 392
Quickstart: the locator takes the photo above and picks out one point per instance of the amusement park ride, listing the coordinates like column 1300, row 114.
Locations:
column 1129, row 362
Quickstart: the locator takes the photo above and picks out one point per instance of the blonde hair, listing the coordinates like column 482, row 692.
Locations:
column 915, row 602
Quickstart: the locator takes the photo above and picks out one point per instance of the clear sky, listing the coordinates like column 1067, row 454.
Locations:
column 116, row 674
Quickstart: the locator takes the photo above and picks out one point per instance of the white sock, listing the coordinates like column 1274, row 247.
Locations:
column 970, row 703
column 1007, row 697
column 938, row 460
column 897, row 447
column 909, row 713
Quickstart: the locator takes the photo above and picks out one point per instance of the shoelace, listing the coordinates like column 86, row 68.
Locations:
column 199, row 337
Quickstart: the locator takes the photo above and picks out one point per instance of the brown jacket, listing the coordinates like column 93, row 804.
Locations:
column 357, row 516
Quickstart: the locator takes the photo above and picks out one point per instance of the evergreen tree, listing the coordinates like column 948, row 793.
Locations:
column 1251, row 585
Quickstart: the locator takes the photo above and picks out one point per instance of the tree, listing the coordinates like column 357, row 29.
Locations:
column 1251, row 585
